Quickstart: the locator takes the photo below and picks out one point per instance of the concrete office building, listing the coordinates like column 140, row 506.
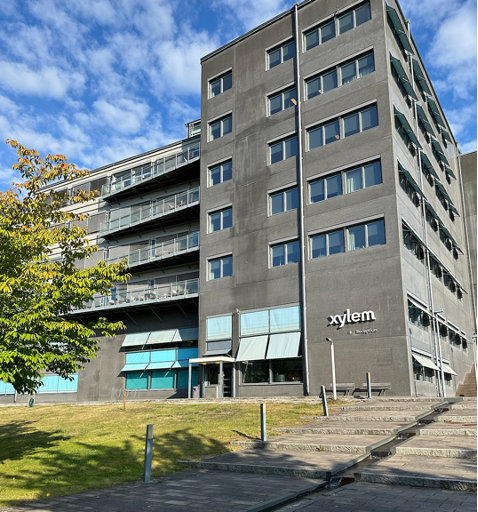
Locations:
column 330, row 206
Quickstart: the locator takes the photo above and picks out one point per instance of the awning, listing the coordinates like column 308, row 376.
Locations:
column 217, row 359
column 216, row 348
column 210, row 353
column 432, row 211
column 186, row 334
column 453, row 209
column 425, row 361
column 446, row 135
column 428, row 165
column 134, row 367
column 252, row 349
column 403, row 76
column 443, row 191
column 438, row 149
column 447, row 369
column 436, row 112
column 161, row 336
column 449, row 171
column 407, row 127
column 424, row 120
column 395, row 19
column 283, row 345
column 161, row 365
column 410, row 179
column 421, row 76
column 139, row 338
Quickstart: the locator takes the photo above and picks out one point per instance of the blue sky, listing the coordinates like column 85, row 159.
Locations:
column 100, row 80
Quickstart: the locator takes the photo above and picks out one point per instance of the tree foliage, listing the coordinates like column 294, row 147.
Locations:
column 37, row 331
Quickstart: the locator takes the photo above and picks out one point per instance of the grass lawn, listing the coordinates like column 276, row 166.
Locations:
column 64, row 449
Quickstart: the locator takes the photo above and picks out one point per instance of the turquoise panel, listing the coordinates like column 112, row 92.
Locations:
column 9, row 389
column 183, row 376
column 162, row 379
column 163, row 355
column 68, row 386
column 49, row 384
column 137, row 357
column 137, row 380
column 187, row 353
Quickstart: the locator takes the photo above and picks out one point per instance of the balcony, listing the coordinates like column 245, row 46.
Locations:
column 170, row 249
column 131, row 217
column 146, row 176
column 132, row 296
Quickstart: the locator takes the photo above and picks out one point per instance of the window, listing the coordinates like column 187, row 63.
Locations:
column 220, row 173
column 220, row 267
column 284, row 149
column 431, row 218
column 422, row 373
column 279, row 55
column 449, row 282
column 442, row 331
column 327, row 244
column 220, row 128
column 355, row 179
column 340, row 75
column 435, row 268
column 286, row 253
column 161, row 379
column 194, row 129
column 282, row 100
column 220, row 85
column 417, row 316
column 409, row 188
column 220, row 220
column 320, row 35
column 275, row 370
column 284, row 201
column 354, row 18
column 342, row 127
column 406, row 133
column 411, row 242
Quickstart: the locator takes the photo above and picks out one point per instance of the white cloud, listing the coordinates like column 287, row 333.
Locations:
column 125, row 116
column 468, row 147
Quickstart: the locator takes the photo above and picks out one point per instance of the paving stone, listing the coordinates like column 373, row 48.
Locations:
column 379, row 416
column 460, row 415
column 348, row 427
column 462, row 447
column 449, row 429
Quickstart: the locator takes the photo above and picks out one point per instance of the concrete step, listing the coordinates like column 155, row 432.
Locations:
column 458, row 416
column 304, row 464
column 374, row 428
column 450, row 473
column 460, row 447
column 420, row 406
column 400, row 399
column 449, row 429
column 463, row 405
column 395, row 416
column 319, row 442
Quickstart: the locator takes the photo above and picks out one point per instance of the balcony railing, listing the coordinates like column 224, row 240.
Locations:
column 161, row 251
column 131, row 216
column 158, row 168
column 135, row 297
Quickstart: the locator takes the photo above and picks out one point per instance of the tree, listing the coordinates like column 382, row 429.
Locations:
column 37, row 331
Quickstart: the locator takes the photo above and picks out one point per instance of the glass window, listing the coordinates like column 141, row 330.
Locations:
column 219, row 85
column 288, row 51
column 219, row 327
column 369, row 118
column 315, row 138
column 327, row 32
column 362, row 14
column 312, row 40
column 334, row 186
column 220, row 173
column 286, row 370
column 136, row 380
column 278, row 255
column 255, row 372
column 284, row 254
column 227, row 82
column 215, row 222
column 220, row 220
column 313, row 88
column 348, row 73
column 285, row 200
column 373, row 174
column 220, row 128
column 215, row 130
column 282, row 101
column 283, row 150
column 220, row 267
column 275, row 58
column 163, row 379
column 336, row 242
column 351, row 125
column 319, row 248
column 277, row 152
column 329, row 81
column 227, row 125
column 275, row 104
column 354, row 180
column 281, row 54
column 317, row 191
column 366, row 65
column 346, row 22
column 293, row 252
column 356, row 238
column 332, row 132
column 290, row 147
column 376, row 233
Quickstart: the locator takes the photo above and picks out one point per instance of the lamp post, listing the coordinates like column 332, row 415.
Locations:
column 332, row 357
column 442, row 373
column 473, row 342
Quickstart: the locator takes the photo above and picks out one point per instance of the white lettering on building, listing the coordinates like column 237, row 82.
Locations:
column 347, row 318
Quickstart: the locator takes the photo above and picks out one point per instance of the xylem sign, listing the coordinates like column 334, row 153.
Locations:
column 347, row 318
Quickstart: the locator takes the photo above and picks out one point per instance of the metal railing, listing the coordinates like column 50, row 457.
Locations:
column 160, row 251
column 160, row 293
column 158, row 168
column 157, row 208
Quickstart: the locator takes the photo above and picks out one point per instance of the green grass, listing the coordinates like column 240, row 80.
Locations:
column 65, row 449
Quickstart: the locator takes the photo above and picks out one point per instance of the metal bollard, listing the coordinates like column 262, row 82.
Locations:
column 148, row 453
column 369, row 386
column 263, row 423
column 324, row 401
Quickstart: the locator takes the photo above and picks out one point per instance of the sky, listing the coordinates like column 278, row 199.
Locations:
column 101, row 80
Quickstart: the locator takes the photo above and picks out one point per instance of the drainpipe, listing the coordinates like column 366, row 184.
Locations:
column 303, row 295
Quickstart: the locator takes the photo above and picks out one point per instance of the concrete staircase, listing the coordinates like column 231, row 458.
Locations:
column 468, row 388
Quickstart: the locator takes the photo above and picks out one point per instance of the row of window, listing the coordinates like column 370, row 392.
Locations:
column 274, row 370
column 424, row 374
column 161, row 379
column 343, row 240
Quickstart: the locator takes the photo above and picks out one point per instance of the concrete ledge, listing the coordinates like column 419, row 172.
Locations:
column 416, row 481
column 394, row 407
column 380, row 431
column 455, row 453
column 462, row 431
column 384, row 417
column 456, row 419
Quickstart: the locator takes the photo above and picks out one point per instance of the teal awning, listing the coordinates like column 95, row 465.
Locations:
column 403, row 76
column 136, row 339
column 424, row 120
column 444, row 192
column 449, row 171
column 428, row 165
column 407, row 127
column 397, row 24
column 186, row 334
column 161, row 365
column 432, row 211
column 446, row 135
column 413, row 183
column 253, row 348
column 453, row 209
column 436, row 112
column 421, row 77
column 437, row 147
column 134, row 367
column 285, row 345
